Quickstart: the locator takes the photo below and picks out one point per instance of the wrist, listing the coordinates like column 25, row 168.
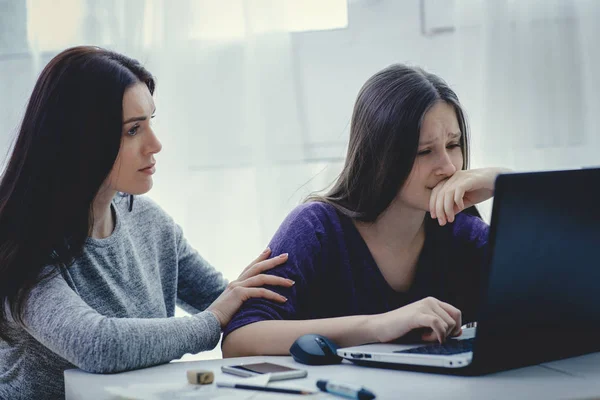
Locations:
column 494, row 172
column 218, row 317
column 372, row 328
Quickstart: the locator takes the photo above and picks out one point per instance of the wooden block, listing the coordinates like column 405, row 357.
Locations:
column 200, row 377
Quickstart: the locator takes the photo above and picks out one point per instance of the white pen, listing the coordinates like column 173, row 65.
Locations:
column 342, row 389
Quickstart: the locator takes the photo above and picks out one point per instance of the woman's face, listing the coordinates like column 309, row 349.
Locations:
column 439, row 156
column 135, row 163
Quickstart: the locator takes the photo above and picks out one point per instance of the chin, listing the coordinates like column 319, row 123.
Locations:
column 145, row 190
column 139, row 189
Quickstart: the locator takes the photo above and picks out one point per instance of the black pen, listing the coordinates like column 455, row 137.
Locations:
column 341, row 389
column 264, row 388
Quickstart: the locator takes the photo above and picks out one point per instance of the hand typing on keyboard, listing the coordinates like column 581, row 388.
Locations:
column 438, row 319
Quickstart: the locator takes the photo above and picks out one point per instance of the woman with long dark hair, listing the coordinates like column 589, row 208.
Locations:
column 88, row 277
column 369, row 260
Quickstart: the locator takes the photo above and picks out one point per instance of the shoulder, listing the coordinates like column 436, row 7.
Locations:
column 307, row 224
column 315, row 210
column 314, row 215
column 469, row 228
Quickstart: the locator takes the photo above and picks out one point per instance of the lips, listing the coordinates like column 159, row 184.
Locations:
column 147, row 168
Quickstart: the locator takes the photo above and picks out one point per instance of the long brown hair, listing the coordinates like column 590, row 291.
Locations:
column 384, row 139
column 66, row 147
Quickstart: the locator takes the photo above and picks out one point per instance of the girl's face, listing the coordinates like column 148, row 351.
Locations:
column 135, row 163
column 439, row 156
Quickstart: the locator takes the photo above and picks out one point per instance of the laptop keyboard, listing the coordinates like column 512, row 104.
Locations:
column 452, row 346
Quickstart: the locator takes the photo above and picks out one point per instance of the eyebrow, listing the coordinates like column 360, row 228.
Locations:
column 142, row 118
column 453, row 135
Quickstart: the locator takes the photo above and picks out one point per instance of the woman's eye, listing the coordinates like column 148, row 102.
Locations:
column 453, row 145
column 133, row 130
column 423, row 152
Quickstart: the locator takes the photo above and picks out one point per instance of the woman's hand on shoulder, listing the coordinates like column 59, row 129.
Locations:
column 438, row 320
column 248, row 285
column 462, row 190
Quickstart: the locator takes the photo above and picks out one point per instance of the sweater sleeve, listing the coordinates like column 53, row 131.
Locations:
column 303, row 236
column 198, row 282
column 59, row 319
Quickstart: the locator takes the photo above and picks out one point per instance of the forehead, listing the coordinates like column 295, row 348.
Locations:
column 137, row 101
column 439, row 120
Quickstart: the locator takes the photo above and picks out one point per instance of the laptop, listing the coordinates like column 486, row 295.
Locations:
column 540, row 296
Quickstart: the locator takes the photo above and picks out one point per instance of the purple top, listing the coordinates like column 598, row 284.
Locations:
column 336, row 275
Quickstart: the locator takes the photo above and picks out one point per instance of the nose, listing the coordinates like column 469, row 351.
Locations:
column 153, row 145
column 445, row 167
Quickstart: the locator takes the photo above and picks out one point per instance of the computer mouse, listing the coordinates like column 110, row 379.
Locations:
column 314, row 349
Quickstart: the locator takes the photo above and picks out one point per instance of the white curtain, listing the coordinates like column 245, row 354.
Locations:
column 531, row 68
column 528, row 73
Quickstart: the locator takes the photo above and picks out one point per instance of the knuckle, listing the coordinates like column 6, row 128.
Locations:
column 442, row 324
column 237, row 290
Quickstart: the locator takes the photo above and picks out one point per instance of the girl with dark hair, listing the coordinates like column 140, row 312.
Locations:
column 369, row 260
column 89, row 279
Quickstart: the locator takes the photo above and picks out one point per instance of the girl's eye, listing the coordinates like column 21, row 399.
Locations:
column 133, row 130
column 450, row 146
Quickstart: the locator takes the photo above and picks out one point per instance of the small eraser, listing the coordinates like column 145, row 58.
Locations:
column 200, row 377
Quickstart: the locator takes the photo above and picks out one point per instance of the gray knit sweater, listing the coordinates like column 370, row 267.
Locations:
column 113, row 310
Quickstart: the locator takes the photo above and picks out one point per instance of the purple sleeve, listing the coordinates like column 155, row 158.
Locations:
column 472, row 229
column 302, row 235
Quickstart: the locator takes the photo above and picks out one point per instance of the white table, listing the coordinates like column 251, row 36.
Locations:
column 571, row 378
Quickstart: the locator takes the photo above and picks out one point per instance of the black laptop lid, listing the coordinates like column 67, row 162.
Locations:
column 541, row 300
